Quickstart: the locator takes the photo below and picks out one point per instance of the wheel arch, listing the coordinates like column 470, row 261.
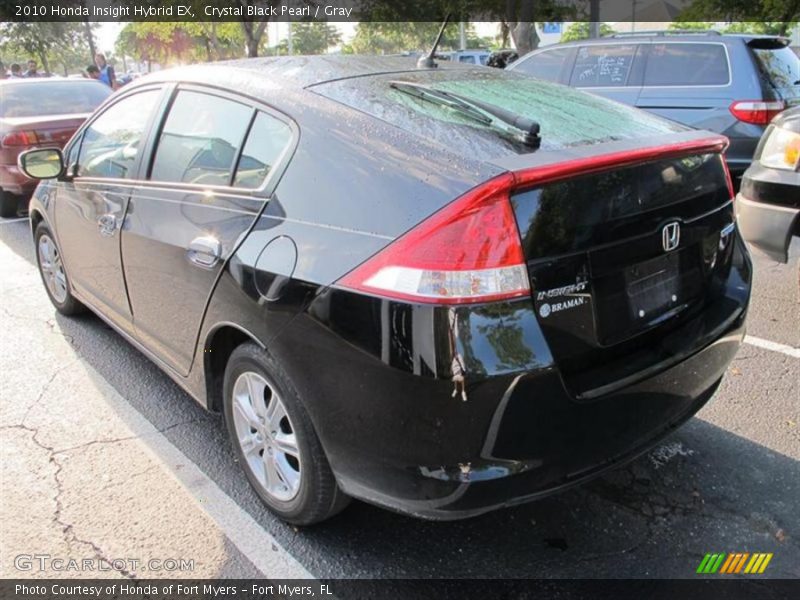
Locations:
column 36, row 217
column 220, row 342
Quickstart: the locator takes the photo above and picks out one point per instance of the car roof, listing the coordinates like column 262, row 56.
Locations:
column 292, row 72
column 666, row 36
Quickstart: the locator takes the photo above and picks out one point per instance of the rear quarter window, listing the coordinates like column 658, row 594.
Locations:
column 267, row 140
column 676, row 64
column 780, row 66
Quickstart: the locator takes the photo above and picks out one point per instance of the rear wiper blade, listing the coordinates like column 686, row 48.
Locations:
column 476, row 108
column 425, row 93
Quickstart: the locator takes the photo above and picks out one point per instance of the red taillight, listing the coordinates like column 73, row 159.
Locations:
column 729, row 180
column 467, row 252
column 20, row 138
column 757, row 112
column 470, row 251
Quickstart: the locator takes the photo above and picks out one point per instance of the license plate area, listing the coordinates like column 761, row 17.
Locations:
column 639, row 296
column 653, row 286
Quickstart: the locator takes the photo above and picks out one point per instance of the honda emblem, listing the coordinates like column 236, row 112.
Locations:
column 671, row 236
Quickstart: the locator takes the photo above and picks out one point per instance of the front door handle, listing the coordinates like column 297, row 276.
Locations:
column 204, row 251
column 107, row 224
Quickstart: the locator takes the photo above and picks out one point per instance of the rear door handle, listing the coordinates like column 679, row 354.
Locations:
column 107, row 224
column 204, row 251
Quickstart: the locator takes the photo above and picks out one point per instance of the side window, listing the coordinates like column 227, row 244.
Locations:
column 686, row 64
column 267, row 139
column 603, row 65
column 546, row 65
column 112, row 142
column 200, row 139
column 467, row 59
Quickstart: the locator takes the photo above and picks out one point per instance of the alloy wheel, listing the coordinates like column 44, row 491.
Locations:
column 266, row 437
column 52, row 268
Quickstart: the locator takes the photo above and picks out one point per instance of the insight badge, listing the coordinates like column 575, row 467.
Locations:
column 575, row 290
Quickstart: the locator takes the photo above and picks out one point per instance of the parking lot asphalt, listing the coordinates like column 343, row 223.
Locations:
column 104, row 456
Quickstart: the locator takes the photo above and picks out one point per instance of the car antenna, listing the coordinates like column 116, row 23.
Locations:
column 428, row 62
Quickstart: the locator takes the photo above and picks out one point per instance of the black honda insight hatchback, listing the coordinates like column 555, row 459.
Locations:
column 440, row 290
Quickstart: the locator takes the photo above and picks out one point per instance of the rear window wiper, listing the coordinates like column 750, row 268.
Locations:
column 441, row 98
column 474, row 109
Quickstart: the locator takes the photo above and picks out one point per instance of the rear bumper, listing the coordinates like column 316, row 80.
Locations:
column 399, row 432
column 12, row 180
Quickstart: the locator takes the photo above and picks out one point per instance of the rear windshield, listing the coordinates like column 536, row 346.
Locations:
column 37, row 99
column 781, row 67
column 567, row 117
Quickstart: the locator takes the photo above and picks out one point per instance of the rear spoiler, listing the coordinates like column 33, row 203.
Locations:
column 551, row 165
column 625, row 158
column 768, row 43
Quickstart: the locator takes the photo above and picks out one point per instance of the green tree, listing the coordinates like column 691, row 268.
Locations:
column 781, row 14
column 254, row 28
column 219, row 40
column 164, row 42
column 395, row 37
column 312, row 38
column 691, row 25
column 146, row 41
column 518, row 18
column 51, row 44
column 761, row 28
column 580, row 31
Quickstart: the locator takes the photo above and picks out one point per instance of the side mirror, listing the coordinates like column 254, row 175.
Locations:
column 41, row 163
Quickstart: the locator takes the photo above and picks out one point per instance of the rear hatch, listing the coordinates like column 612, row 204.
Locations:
column 778, row 67
column 622, row 256
column 626, row 220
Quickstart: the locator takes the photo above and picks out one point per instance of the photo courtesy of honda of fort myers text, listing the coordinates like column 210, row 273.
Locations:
column 424, row 299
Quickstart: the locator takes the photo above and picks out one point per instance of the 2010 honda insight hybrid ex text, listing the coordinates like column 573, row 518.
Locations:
column 440, row 290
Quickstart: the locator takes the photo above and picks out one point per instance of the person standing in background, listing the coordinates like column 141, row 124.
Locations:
column 32, row 69
column 93, row 72
column 16, row 71
column 106, row 71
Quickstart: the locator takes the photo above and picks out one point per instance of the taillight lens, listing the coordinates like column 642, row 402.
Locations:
column 470, row 251
column 20, row 138
column 467, row 252
column 757, row 112
column 728, row 180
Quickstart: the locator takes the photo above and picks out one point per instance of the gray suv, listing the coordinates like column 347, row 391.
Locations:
column 730, row 84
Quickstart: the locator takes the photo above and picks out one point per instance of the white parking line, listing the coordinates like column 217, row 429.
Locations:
column 251, row 539
column 17, row 220
column 774, row 346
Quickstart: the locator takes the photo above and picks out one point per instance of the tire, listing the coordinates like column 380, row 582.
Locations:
column 275, row 442
column 8, row 205
column 54, row 274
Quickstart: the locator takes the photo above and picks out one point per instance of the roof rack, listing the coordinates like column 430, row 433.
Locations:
column 666, row 32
